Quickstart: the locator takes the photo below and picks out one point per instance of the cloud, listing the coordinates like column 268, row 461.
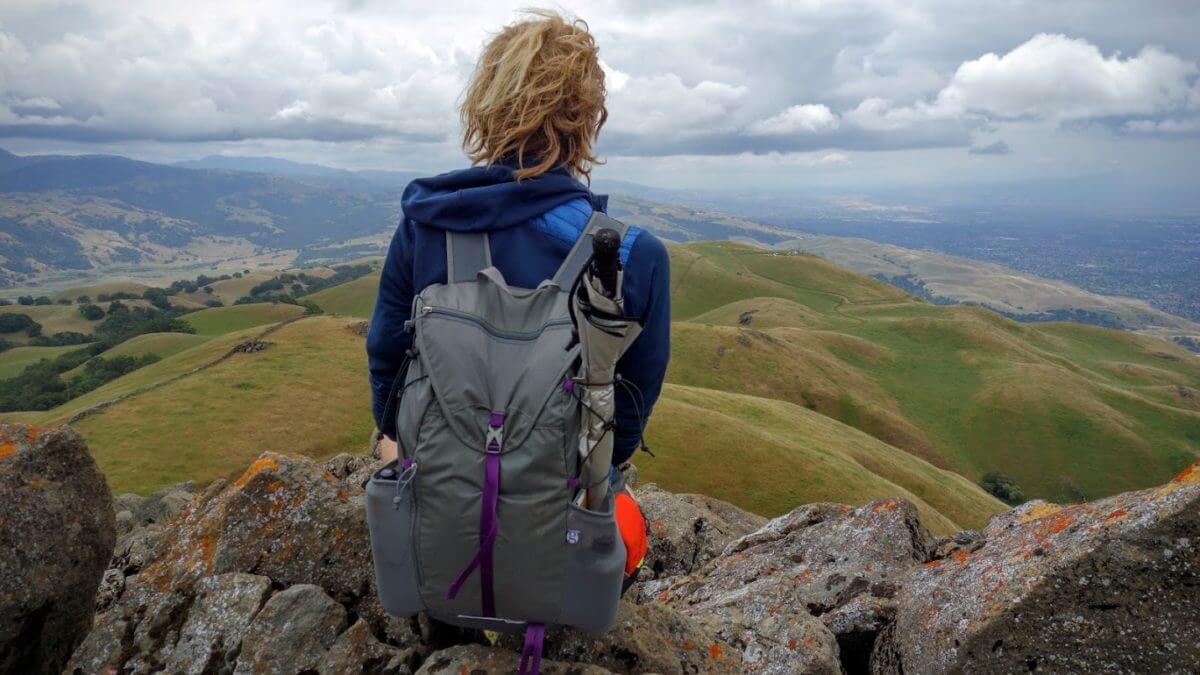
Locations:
column 997, row 148
column 1060, row 78
column 1167, row 126
column 381, row 79
column 798, row 119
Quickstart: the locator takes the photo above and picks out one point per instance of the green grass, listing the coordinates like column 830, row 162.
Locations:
column 353, row 298
column 54, row 319
column 1062, row 408
column 159, row 344
column 213, row 423
column 768, row 456
column 13, row 361
column 222, row 320
column 791, row 381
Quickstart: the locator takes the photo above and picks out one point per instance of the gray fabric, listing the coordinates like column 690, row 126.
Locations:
column 483, row 346
column 391, row 522
column 466, row 254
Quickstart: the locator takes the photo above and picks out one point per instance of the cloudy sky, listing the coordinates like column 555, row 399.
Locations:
column 702, row 94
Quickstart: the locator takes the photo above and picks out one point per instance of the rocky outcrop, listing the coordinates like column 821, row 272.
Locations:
column 1108, row 586
column 271, row 573
column 819, row 572
column 56, row 534
column 267, row 574
column 687, row 531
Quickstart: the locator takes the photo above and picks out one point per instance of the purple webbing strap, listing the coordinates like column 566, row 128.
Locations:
column 531, row 653
column 489, row 525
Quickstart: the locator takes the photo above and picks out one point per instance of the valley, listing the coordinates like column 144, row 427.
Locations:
column 792, row 380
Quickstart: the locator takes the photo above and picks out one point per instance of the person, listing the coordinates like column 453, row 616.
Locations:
column 531, row 117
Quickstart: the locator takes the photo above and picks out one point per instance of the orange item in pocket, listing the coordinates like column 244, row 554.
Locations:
column 632, row 525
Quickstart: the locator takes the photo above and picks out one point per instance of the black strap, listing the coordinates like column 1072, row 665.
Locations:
column 573, row 264
column 466, row 254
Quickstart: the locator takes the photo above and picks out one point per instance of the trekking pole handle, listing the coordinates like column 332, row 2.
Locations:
column 606, row 262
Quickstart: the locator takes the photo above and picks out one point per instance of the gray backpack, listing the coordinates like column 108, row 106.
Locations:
column 475, row 523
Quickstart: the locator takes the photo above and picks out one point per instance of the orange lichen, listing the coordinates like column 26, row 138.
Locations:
column 792, row 644
column 1115, row 515
column 934, row 563
column 1188, row 475
column 961, row 556
column 715, row 651
column 688, row 645
column 1038, row 511
column 264, row 463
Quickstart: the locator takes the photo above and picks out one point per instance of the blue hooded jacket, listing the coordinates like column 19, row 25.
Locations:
column 532, row 224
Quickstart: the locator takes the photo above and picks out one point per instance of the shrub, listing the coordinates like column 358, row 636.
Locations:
column 25, row 300
column 83, row 300
column 213, row 302
column 5, row 302
column 61, row 339
column 43, row 300
column 64, row 301
column 13, row 322
column 91, row 312
column 1003, row 488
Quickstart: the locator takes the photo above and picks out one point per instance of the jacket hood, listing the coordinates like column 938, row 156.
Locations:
column 486, row 198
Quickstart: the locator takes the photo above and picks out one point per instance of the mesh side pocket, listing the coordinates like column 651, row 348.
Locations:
column 392, row 545
column 594, row 571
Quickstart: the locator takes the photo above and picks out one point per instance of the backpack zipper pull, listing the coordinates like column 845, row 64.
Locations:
column 406, row 477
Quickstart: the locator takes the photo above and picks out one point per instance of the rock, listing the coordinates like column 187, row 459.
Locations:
column 200, row 601
column 357, row 651
column 354, row 469
column 480, row 660
column 686, row 531
column 837, row 563
column 112, row 585
column 57, row 531
column 1104, row 586
column 210, row 639
column 646, row 639
column 285, row 518
column 141, row 522
column 292, row 632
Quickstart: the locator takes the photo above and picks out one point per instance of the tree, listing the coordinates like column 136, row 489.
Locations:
column 117, row 307
column 13, row 322
column 83, row 300
column 91, row 312
column 64, row 301
column 25, row 300
column 1003, row 488
column 5, row 302
column 43, row 300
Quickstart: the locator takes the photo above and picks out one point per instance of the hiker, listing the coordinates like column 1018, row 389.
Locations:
column 531, row 116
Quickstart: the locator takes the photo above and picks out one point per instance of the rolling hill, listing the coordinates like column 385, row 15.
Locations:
column 61, row 215
column 800, row 380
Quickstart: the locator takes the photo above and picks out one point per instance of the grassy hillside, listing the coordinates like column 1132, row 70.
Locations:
column 13, row 361
column 1065, row 409
column 791, row 381
column 213, row 422
column 222, row 320
column 159, row 344
column 353, row 298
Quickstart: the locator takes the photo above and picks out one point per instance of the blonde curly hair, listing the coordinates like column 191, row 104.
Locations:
column 537, row 95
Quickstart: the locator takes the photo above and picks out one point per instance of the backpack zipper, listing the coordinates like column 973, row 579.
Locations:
column 489, row 328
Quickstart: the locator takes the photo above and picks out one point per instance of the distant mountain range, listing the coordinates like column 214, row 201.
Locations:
column 86, row 212
column 89, row 213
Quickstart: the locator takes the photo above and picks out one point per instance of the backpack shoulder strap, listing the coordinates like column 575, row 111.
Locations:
column 466, row 254
column 573, row 264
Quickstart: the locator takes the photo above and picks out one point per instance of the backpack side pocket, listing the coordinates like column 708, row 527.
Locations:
column 391, row 514
column 594, row 571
